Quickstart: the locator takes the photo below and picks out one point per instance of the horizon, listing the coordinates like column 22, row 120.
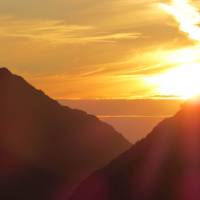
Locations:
column 134, row 119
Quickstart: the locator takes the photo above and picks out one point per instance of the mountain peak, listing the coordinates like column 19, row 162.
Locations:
column 40, row 136
column 160, row 166
column 190, row 106
column 4, row 71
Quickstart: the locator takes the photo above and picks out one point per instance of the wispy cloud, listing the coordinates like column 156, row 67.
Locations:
column 57, row 31
column 104, row 47
column 132, row 116
column 187, row 15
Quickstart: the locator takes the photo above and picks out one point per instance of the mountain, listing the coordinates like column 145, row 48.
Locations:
column 163, row 166
column 44, row 145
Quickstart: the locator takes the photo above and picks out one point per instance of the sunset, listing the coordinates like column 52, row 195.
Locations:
column 100, row 100
column 181, row 82
column 105, row 50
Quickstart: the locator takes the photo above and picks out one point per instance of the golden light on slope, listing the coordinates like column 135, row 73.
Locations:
column 182, row 82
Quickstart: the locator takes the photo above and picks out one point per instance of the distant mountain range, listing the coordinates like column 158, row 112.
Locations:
column 44, row 145
column 163, row 166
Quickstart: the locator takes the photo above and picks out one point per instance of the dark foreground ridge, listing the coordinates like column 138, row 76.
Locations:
column 45, row 147
column 163, row 166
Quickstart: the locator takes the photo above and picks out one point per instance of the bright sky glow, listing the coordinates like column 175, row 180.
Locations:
column 182, row 80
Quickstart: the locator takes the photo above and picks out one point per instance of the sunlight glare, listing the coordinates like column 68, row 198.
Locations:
column 183, row 81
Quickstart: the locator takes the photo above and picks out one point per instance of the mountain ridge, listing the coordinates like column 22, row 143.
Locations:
column 46, row 138
column 164, row 165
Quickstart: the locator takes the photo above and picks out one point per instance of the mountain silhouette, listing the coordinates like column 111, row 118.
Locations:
column 163, row 166
column 44, row 145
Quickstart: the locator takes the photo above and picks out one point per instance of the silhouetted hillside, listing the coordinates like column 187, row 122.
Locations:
column 43, row 144
column 163, row 166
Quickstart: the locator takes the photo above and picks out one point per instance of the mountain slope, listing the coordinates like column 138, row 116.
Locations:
column 41, row 138
column 164, row 165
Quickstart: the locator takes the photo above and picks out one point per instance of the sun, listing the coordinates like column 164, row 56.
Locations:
column 182, row 81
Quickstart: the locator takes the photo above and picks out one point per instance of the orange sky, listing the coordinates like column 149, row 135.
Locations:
column 133, row 118
column 99, row 49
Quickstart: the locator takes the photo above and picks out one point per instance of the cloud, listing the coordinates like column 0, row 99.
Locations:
column 155, row 97
column 132, row 116
column 105, row 47
column 187, row 15
column 57, row 31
